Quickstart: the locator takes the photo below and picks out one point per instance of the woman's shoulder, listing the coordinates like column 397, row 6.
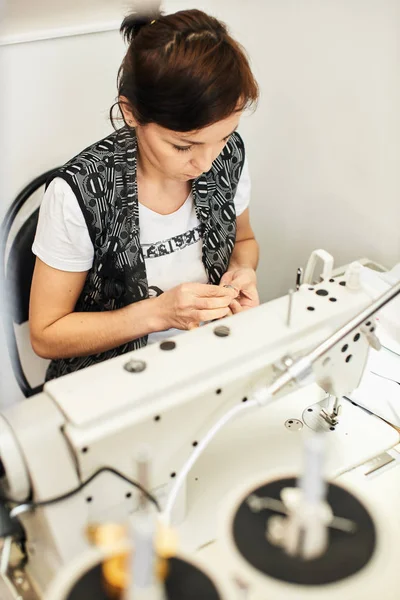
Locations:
column 101, row 150
column 87, row 170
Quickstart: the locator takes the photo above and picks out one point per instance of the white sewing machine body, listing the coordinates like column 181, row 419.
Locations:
column 168, row 399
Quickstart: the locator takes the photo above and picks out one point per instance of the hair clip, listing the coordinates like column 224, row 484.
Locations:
column 153, row 21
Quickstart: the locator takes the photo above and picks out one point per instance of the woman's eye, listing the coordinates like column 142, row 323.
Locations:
column 182, row 148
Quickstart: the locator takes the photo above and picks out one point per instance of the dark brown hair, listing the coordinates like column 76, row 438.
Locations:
column 183, row 71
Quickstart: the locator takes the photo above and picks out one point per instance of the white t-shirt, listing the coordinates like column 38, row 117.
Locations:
column 171, row 244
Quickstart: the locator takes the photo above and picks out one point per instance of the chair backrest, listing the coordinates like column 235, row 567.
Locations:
column 16, row 271
column 19, row 269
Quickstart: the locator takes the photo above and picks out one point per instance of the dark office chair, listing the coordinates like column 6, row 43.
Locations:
column 16, row 271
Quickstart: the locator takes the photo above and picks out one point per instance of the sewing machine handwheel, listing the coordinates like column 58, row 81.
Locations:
column 347, row 553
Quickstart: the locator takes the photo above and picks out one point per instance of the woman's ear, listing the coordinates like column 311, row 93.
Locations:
column 127, row 111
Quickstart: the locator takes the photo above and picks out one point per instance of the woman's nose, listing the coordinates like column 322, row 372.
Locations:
column 203, row 161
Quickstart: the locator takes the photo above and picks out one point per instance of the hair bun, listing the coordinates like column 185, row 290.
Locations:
column 145, row 12
column 131, row 26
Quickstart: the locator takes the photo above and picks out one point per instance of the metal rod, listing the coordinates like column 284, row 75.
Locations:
column 336, row 405
column 257, row 504
column 5, row 556
column 290, row 307
column 303, row 365
column 299, row 278
column 143, row 459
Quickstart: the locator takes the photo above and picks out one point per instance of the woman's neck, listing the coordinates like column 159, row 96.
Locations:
column 148, row 171
column 158, row 192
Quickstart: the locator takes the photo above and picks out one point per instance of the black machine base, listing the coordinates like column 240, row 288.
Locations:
column 347, row 553
column 184, row 581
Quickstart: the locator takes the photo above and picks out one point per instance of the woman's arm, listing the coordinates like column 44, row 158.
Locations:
column 59, row 332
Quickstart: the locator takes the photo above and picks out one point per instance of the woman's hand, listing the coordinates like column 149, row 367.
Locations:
column 189, row 304
column 244, row 282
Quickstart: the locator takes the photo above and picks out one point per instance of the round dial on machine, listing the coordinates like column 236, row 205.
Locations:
column 351, row 567
column 84, row 580
column 347, row 553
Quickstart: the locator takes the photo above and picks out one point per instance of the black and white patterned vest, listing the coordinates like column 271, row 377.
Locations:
column 103, row 178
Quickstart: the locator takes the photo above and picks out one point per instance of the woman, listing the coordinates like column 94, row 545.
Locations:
column 147, row 232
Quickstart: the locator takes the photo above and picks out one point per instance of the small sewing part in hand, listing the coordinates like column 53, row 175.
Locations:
column 232, row 287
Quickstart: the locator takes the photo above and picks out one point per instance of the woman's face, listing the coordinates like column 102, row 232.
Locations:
column 184, row 156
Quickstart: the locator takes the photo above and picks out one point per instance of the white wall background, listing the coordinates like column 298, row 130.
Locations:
column 323, row 145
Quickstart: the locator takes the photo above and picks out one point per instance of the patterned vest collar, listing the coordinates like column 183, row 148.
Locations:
column 103, row 178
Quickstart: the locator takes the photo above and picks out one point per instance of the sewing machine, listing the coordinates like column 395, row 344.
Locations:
column 167, row 397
